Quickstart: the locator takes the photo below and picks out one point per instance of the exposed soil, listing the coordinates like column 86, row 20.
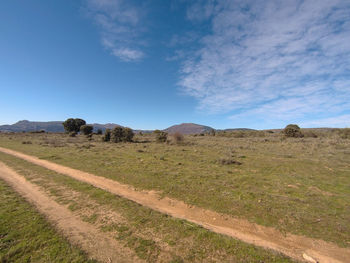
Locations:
column 297, row 247
column 98, row 245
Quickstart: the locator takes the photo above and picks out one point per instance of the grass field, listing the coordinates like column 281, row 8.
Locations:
column 299, row 185
column 25, row 236
column 153, row 236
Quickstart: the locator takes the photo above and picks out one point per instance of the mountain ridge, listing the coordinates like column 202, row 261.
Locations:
column 56, row 126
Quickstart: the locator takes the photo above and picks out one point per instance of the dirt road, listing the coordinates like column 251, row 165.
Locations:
column 98, row 245
column 297, row 247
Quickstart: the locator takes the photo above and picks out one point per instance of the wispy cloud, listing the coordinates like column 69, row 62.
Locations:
column 338, row 121
column 271, row 59
column 120, row 25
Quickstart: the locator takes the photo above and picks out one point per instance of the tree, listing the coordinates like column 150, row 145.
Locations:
column 86, row 129
column 79, row 123
column 292, row 130
column 73, row 125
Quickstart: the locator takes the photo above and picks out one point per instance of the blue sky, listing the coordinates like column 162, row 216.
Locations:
column 152, row 64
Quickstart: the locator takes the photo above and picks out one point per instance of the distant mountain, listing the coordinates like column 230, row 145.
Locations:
column 49, row 126
column 103, row 127
column 188, row 128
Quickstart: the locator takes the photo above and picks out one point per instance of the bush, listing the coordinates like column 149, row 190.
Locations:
column 178, row 137
column 72, row 134
column 128, row 134
column 117, row 134
column 120, row 134
column 107, row 136
column 161, row 136
column 292, row 130
column 86, row 129
column 73, row 125
column 99, row 132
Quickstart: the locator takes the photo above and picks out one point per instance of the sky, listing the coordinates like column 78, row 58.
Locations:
column 151, row 64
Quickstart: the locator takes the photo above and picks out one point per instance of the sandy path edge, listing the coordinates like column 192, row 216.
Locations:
column 96, row 244
column 294, row 246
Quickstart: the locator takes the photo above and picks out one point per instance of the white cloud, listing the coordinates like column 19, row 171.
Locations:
column 272, row 59
column 338, row 121
column 119, row 22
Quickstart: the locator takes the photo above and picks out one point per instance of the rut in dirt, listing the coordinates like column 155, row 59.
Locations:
column 96, row 244
column 297, row 247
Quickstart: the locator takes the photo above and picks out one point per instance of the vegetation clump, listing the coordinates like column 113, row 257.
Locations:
column 120, row 134
column 309, row 134
column 99, row 132
column 107, row 136
column 292, row 130
column 86, row 129
column 73, row 125
column 161, row 136
column 178, row 137
column 344, row 133
column 229, row 161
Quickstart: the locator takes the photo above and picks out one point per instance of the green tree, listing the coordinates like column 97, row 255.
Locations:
column 73, row 125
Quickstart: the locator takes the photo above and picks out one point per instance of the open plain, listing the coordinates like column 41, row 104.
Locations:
column 295, row 186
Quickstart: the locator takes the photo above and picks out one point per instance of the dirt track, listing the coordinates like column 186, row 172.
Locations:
column 297, row 247
column 98, row 245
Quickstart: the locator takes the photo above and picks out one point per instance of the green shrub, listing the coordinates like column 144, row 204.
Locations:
column 128, row 134
column 86, row 129
column 107, row 136
column 292, row 130
column 117, row 134
column 120, row 134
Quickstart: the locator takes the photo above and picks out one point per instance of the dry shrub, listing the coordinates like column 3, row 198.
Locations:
column 309, row 134
column 161, row 136
column 229, row 161
column 178, row 137
column 344, row 133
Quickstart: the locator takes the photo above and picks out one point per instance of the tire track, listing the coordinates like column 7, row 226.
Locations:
column 297, row 247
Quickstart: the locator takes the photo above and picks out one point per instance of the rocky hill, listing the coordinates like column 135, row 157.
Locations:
column 188, row 128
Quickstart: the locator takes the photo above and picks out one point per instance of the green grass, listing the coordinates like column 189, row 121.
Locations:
column 25, row 236
column 296, row 185
column 152, row 235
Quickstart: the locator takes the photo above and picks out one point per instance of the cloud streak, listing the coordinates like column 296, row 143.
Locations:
column 120, row 27
column 271, row 59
